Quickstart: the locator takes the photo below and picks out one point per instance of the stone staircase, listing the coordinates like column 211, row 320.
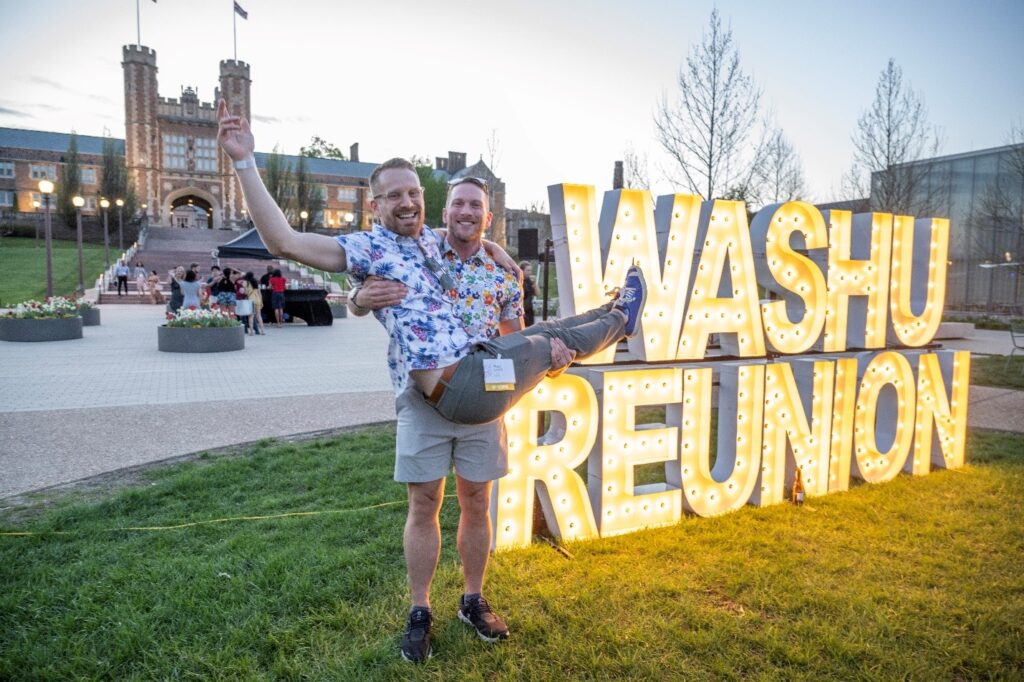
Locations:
column 168, row 247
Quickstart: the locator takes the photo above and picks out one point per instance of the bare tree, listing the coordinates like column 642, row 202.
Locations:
column 710, row 131
column 781, row 174
column 493, row 151
column 891, row 137
column 635, row 169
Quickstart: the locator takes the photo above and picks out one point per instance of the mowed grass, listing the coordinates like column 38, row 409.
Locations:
column 23, row 268
column 994, row 370
column 919, row 578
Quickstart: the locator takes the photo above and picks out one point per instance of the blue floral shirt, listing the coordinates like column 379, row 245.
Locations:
column 486, row 294
column 425, row 331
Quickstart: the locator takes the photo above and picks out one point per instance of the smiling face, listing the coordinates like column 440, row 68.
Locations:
column 398, row 201
column 467, row 214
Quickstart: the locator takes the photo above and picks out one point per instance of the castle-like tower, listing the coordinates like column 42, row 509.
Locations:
column 171, row 147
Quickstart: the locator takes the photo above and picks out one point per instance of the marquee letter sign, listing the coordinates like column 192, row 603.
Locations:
column 821, row 320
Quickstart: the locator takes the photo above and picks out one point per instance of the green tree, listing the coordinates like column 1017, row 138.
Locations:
column 322, row 149
column 279, row 180
column 70, row 183
column 435, row 192
column 308, row 195
column 115, row 183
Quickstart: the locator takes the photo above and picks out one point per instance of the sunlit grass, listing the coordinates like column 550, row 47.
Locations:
column 918, row 578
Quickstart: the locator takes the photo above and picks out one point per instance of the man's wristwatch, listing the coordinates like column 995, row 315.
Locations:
column 245, row 163
column 352, row 297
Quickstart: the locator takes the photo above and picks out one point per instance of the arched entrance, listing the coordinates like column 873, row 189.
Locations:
column 192, row 208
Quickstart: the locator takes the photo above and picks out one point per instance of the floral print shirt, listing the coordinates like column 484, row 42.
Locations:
column 485, row 294
column 425, row 331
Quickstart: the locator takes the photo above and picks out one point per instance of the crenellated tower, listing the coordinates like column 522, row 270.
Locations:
column 234, row 89
column 141, row 139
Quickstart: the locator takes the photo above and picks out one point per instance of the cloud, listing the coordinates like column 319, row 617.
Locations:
column 278, row 120
column 40, row 80
column 5, row 111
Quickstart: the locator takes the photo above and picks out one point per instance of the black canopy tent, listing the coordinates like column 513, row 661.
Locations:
column 307, row 304
column 249, row 245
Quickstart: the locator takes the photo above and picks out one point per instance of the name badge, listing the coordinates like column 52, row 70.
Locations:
column 499, row 375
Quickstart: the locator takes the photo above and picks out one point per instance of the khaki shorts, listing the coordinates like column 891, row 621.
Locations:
column 428, row 444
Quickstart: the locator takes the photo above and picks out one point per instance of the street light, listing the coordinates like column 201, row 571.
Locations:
column 348, row 219
column 104, row 204
column 303, row 215
column 46, row 187
column 120, row 224
column 79, row 202
column 36, row 205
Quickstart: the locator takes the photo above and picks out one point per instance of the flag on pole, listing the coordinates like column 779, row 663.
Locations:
column 238, row 10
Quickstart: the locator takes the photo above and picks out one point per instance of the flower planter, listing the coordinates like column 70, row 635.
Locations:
column 90, row 317
column 200, row 339
column 59, row 329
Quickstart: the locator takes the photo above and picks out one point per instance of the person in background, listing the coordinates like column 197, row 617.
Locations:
column 122, row 271
column 265, row 290
column 277, row 286
column 529, row 291
column 155, row 295
column 190, row 287
column 140, row 278
column 243, row 307
column 176, row 277
column 255, row 296
column 223, row 290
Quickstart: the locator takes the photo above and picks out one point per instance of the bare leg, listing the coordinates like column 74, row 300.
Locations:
column 422, row 540
column 474, row 538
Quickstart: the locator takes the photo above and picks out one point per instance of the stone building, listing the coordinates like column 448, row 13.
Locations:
column 180, row 176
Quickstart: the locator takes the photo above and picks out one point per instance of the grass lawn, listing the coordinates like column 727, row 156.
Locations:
column 23, row 268
column 919, row 578
column 992, row 370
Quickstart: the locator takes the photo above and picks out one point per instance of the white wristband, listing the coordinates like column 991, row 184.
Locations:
column 245, row 163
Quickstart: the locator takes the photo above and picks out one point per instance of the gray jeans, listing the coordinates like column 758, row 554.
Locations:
column 465, row 401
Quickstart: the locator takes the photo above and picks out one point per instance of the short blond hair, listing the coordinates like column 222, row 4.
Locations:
column 397, row 162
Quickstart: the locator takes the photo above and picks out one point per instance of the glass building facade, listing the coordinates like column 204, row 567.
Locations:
column 982, row 194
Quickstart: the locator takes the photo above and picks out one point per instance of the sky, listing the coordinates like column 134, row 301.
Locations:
column 562, row 88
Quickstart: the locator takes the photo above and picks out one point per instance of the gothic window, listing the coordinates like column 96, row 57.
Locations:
column 206, row 154
column 175, row 154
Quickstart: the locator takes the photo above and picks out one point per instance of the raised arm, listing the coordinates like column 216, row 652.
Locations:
column 317, row 250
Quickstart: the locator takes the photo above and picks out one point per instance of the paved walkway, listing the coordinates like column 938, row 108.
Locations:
column 75, row 409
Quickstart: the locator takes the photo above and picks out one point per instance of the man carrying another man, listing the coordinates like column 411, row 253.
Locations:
column 428, row 341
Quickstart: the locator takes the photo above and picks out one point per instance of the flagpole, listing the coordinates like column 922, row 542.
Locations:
column 138, row 24
column 234, row 29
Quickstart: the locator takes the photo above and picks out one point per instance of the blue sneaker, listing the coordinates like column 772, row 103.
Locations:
column 632, row 297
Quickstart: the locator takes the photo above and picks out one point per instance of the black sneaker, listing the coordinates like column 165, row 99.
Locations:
column 416, row 638
column 477, row 612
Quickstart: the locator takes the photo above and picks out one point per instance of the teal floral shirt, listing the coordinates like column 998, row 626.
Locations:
column 486, row 294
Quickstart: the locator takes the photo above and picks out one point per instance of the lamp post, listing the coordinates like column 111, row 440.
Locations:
column 120, row 224
column 79, row 202
column 36, row 205
column 303, row 215
column 104, row 204
column 348, row 219
column 46, row 188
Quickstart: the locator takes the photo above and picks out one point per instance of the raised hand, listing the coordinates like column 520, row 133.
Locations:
column 234, row 134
